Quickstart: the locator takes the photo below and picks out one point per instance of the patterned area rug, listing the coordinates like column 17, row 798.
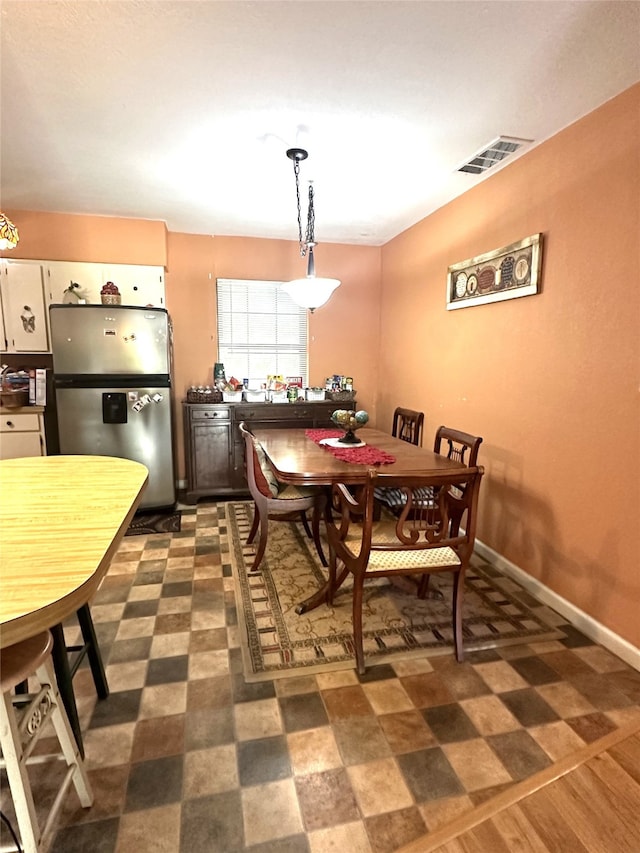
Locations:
column 154, row 522
column 276, row 642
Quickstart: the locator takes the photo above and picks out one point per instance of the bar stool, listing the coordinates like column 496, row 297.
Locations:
column 22, row 721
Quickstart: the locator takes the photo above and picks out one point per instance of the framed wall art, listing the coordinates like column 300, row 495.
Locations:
column 501, row 274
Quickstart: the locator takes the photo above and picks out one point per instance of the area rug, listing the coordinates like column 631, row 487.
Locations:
column 277, row 642
column 154, row 522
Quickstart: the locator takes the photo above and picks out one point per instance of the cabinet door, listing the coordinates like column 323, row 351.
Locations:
column 138, row 285
column 211, row 448
column 60, row 274
column 23, row 302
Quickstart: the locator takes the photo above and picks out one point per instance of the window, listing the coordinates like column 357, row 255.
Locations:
column 261, row 331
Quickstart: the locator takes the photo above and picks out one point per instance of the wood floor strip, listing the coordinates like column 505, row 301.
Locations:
column 626, row 740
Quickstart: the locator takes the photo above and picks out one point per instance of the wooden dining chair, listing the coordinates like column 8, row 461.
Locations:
column 407, row 425
column 424, row 539
column 277, row 501
column 452, row 443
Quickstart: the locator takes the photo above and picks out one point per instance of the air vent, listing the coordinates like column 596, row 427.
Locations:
column 494, row 152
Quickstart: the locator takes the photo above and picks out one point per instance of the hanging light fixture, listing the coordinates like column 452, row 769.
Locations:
column 310, row 292
column 8, row 233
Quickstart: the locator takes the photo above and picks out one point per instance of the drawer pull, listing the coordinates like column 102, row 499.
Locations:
column 11, row 424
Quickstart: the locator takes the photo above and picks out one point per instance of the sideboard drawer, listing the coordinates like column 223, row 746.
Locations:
column 210, row 414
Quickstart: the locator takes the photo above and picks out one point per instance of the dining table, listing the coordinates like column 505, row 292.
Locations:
column 61, row 521
column 297, row 457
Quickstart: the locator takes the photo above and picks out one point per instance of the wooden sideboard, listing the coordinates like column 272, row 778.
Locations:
column 214, row 450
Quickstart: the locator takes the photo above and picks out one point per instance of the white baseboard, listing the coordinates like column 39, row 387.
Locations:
column 582, row 621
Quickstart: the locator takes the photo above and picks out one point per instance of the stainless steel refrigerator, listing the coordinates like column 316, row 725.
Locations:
column 112, row 380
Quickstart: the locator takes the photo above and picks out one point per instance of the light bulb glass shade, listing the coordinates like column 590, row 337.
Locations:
column 8, row 233
column 310, row 292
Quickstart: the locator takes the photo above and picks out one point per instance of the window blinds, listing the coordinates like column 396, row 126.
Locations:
column 261, row 331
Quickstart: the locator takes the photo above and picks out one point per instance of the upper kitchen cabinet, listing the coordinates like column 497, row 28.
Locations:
column 24, row 310
column 138, row 285
column 69, row 281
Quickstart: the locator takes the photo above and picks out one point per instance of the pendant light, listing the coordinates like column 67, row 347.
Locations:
column 8, row 233
column 310, row 292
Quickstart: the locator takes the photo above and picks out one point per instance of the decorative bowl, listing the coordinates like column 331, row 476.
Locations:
column 349, row 421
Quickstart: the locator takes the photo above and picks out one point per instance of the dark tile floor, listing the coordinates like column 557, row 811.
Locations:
column 186, row 757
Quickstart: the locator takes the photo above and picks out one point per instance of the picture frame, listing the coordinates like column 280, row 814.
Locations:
column 506, row 273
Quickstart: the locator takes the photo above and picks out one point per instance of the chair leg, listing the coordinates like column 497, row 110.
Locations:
column 458, row 593
column 10, row 741
column 357, row 624
column 68, row 744
column 262, row 542
column 254, row 525
column 305, row 524
column 315, row 523
column 331, row 582
column 423, row 586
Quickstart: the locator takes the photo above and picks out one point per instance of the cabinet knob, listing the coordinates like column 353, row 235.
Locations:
column 11, row 424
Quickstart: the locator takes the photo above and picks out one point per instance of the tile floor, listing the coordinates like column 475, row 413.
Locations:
column 185, row 757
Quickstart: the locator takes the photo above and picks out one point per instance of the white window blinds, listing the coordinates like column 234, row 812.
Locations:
column 261, row 331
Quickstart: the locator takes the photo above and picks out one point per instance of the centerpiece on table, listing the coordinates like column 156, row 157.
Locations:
column 349, row 421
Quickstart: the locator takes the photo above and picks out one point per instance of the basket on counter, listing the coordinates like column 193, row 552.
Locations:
column 341, row 396
column 111, row 298
column 204, row 397
column 15, row 399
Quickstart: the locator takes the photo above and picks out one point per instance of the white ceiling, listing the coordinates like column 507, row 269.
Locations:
column 181, row 110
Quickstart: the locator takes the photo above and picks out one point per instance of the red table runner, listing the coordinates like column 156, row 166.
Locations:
column 366, row 455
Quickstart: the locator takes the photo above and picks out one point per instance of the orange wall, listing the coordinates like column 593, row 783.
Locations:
column 343, row 334
column 92, row 239
column 551, row 381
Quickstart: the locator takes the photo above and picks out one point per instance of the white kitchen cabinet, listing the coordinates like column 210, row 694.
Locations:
column 22, row 432
column 24, row 307
column 61, row 274
column 138, row 285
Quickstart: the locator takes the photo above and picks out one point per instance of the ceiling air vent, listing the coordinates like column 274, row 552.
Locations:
column 494, row 152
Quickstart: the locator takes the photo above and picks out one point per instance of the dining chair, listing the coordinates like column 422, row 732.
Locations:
column 452, row 443
column 277, row 501
column 423, row 539
column 407, row 425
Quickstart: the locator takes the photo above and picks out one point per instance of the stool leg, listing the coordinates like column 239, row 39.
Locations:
column 65, row 683
column 93, row 651
column 18, row 779
column 68, row 743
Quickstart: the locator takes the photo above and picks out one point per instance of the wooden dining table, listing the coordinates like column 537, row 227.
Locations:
column 61, row 521
column 299, row 460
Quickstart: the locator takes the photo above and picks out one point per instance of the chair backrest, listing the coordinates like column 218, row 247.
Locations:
column 259, row 484
column 407, row 425
column 421, row 525
column 457, row 445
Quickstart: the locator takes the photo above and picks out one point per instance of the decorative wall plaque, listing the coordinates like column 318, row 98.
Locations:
column 502, row 274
